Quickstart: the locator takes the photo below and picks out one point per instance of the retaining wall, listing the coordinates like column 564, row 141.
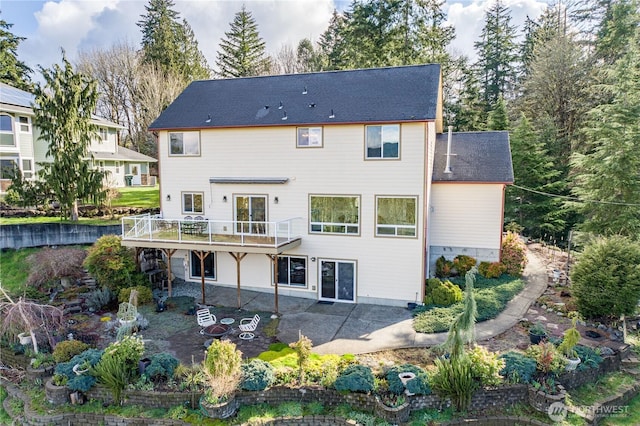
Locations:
column 53, row 234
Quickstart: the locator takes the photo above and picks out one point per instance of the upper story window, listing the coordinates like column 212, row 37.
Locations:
column 27, row 168
column 25, row 124
column 192, row 202
column 104, row 134
column 334, row 214
column 6, row 131
column 184, row 143
column 309, row 137
column 396, row 216
column 383, row 142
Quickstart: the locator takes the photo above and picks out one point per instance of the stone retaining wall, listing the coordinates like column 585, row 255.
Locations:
column 574, row 379
column 148, row 399
column 53, row 234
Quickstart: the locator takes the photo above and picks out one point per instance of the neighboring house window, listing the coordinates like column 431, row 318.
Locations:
column 104, row 134
column 184, row 143
column 101, row 166
column 25, row 125
column 396, row 216
column 6, row 131
column 337, row 214
column 117, row 167
column 7, row 168
column 27, row 168
column 309, row 137
column 383, row 141
column 192, row 202
column 209, row 266
column 292, row 271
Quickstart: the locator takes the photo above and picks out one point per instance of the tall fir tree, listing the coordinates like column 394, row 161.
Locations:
column 467, row 110
column 63, row 108
column 242, row 52
column 498, row 117
column 169, row 43
column 533, row 169
column 497, row 55
column 332, row 43
column 606, row 176
column 12, row 71
column 616, row 30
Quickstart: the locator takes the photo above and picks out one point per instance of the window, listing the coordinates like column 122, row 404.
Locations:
column 117, row 167
column 396, row 216
column 25, row 125
column 6, row 130
column 209, row 266
column 383, row 141
column 192, row 202
column 292, row 271
column 27, row 168
column 336, row 214
column 7, row 168
column 309, row 137
column 101, row 166
column 104, row 134
column 184, row 143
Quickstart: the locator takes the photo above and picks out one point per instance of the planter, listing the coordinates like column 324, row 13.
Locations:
column 25, row 338
column 572, row 364
column 56, row 395
column 221, row 410
column 40, row 372
column 541, row 401
column 393, row 415
column 404, row 378
column 127, row 322
column 536, row 338
column 143, row 364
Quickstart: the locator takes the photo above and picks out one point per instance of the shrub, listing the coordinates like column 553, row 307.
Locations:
column 514, row 254
column 97, row 299
column 355, row 378
column 463, row 264
column 222, row 367
column 162, row 367
column 84, row 382
column 588, row 356
column 49, row 264
column 112, row 372
column 443, row 267
column 518, row 368
column 144, row 294
column 442, row 293
column 547, row 357
column 491, row 269
column 302, row 348
column 454, row 380
column 257, row 375
column 606, row 279
column 67, row 349
column 112, row 264
column 419, row 385
column 486, row 366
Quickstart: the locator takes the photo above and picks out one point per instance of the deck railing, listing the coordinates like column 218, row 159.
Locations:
column 203, row 231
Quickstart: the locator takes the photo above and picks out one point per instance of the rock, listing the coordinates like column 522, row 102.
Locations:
column 532, row 311
column 606, row 351
column 544, row 307
column 582, row 323
column 602, row 327
column 560, row 314
column 549, row 309
column 540, row 318
column 552, row 326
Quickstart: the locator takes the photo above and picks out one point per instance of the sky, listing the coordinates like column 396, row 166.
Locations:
column 85, row 25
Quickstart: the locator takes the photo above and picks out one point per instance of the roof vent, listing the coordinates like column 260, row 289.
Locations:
column 284, row 115
column 208, row 120
column 280, row 106
column 447, row 167
column 332, row 115
column 312, row 105
column 304, row 92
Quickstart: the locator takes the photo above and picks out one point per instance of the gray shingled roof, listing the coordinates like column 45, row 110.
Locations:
column 124, row 154
column 357, row 96
column 477, row 157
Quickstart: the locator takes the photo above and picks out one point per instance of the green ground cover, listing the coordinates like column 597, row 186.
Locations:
column 491, row 297
column 138, row 196
column 13, row 270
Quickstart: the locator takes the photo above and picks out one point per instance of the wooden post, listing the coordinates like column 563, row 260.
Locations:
column 138, row 251
column 202, row 255
column 238, row 257
column 169, row 253
column 275, row 281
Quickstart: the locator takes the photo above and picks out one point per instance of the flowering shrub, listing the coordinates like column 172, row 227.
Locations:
column 491, row 269
column 548, row 359
column 514, row 254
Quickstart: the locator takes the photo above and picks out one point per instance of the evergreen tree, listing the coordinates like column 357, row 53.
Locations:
column 332, row 43
column 169, row 43
column 498, row 118
column 533, row 169
column 497, row 55
column 242, row 51
column 63, row 108
column 12, row 71
column 606, row 176
column 467, row 110
column 307, row 58
column 621, row 19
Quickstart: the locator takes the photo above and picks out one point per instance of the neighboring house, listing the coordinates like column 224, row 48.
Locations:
column 20, row 145
column 327, row 185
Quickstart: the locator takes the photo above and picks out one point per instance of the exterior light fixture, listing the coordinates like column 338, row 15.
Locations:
column 224, row 198
column 168, row 197
column 275, row 200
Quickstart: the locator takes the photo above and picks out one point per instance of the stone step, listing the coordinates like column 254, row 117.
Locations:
column 70, row 310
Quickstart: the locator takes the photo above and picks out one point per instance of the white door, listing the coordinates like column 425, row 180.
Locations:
column 338, row 281
column 135, row 171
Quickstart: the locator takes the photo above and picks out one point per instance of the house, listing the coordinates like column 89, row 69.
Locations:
column 338, row 186
column 20, row 145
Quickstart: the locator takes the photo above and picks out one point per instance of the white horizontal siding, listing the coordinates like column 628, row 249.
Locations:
column 466, row 215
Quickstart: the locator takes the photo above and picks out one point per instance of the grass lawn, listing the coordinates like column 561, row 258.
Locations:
column 53, row 219
column 491, row 297
column 14, row 270
column 138, row 196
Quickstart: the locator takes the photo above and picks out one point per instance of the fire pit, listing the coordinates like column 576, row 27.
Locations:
column 592, row 334
column 216, row 330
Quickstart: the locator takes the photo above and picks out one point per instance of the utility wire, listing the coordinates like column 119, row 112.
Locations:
column 568, row 197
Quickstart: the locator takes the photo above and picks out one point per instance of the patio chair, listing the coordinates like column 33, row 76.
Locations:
column 205, row 318
column 247, row 326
